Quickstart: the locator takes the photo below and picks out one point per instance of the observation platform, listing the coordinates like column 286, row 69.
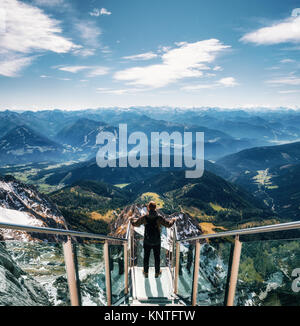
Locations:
column 152, row 291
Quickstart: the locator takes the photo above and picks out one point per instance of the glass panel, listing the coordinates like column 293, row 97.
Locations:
column 213, row 272
column 186, row 270
column 116, row 260
column 172, row 252
column 32, row 273
column 91, row 269
column 266, row 276
column 139, row 249
column 167, row 245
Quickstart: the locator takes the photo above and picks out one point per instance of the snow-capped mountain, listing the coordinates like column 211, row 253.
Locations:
column 31, row 271
column 23, row 204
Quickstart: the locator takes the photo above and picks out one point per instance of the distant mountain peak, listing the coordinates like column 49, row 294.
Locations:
column 22, row 144
column 82, row 133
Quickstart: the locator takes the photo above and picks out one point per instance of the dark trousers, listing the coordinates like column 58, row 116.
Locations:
column 147, row 251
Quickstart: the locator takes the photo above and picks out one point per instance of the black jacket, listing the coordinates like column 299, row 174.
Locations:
column 152, row 222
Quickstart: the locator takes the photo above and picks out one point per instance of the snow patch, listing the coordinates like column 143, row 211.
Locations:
column 6, row 186
column 11, row 216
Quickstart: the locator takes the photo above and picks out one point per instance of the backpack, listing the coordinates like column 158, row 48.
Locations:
column 152, row 230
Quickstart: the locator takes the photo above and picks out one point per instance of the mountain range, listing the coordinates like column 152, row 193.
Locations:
column 261, row 158
column 271, row 174
column 208, row 199
column 254, row 182
column 94, row 205
column 23, row 145
column 76, row 131
column 89, row 170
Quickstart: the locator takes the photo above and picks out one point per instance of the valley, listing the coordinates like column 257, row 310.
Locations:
column 68, row 177
column 248, row 181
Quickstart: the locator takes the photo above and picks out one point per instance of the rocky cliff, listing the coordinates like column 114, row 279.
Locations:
column 23, row 204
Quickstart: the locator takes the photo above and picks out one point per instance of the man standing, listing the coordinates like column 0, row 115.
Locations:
column 152, row 222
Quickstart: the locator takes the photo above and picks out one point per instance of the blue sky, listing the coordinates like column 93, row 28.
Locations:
column 73, row 54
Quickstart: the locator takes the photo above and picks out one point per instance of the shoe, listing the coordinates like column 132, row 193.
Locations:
column 158, row 274
column 145, row 274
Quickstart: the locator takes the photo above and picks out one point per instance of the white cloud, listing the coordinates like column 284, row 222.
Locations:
column 97, row 71
column 272, row 68
column 73, row 69
column 217, row 68
column 208, row 74
column 285, row 81
column 290, row 91
column 112, row 91
column 89, row 32
column 142, row 56
column 104, row 11
column 198, row 87
column 228, row 82
column 223, row 82
column 123, row 91
column 85, row 52
column 105, row 49
column 10, row 67
column 92, row 71
column 287, row 30
column 296, row 12
column 97, row 12
column 186, row 60
column 287, row 61
column 28, row 30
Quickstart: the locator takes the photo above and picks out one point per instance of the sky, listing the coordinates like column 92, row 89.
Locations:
column 75, row 54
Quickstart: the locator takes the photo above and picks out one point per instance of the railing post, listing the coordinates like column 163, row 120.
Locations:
column 75, row 254
column 172, row 254
column 228, row 273
column 71, row 273
column 107, row 273
column 132, row 252
column 196, row 274
column 234, row 271
column 177, row 267
column 126, row 267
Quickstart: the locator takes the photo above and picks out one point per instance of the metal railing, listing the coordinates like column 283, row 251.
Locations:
column 129, row 255
column 247, row 231
column 70, row 259
column 234, row 259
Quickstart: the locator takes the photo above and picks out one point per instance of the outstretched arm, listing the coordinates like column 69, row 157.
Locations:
column 167, row 223
column 137, row 221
